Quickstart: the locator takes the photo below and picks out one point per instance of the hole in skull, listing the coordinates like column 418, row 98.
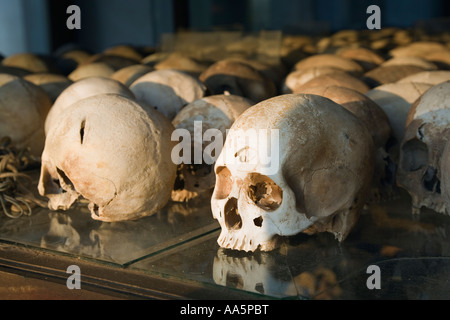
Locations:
column 415, row 155
column 95, row 210
column 65, row 180
column 430, row 180
column 82, row 126
column 264, row 192
column 258, row 221
column 233, row 220
column 223, row 183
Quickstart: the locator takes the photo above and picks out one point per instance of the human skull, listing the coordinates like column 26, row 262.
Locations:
column 239, row 78
column 317, row 176
column 330, row 60
column 445, row 171
column 111, row 151
column 27, row 61
column 425, row 137
column 428, row 77
column 339, row 78
column 167, row 90
column 216, row 112
column 377, row 122
column 81, row 89
column 53, row 84
column 130, row 74
column 396, row 99
column 253, row 273
column 92, row 69
column 23, row 108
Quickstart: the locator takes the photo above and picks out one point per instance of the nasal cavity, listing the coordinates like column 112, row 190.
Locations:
column 233, row 220
column 430, row 180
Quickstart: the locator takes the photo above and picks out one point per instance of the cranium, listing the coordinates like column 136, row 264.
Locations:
column 167, row 90
column 297, row 78
column 23, row 108
column 239, row 78
column 27, row 61
column 130, row 74
column 421, row 149
column 330, row 60
column 92, row 69
column 114, row 153
column 339, row 78
column 390, row 74
column 212, row 112
column 81, row 89
column 366, row 58
column 412, row 61
column 428, row 77
column 316, row 177
column 376, row 121
column 445, row 171
column 396, row 99
column 53, row 84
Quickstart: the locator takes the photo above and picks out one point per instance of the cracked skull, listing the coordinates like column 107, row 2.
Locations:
column 422, row 147
column 111, row 151
column 290, row 164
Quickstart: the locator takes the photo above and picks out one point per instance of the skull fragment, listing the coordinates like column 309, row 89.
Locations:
column 316, row 178
column 112, row 152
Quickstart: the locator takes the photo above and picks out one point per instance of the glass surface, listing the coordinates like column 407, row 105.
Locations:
column 412, row 252
column 74, row 232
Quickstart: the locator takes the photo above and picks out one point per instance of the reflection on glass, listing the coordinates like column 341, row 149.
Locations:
column 259, row 272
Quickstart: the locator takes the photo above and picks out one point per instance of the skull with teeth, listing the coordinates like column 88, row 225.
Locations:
column 422, row 147
column 111, row 151
column 216, row 112
column 290, row 164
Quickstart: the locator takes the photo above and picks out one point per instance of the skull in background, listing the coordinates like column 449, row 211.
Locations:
column 428, row 125
column 317, row 175
column 114, row 153
column 216, row 112
column 82, row 89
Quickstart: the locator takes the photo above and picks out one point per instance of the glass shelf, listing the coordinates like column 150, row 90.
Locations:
column 179, row 242
column 74, row 232
column 412, row 253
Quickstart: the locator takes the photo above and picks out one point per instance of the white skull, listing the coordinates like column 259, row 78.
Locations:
column 253, row 273
column 167, row 90
column 317, row 175
column 114, row 153
column 419, row 172
column 81, row 89
column 213, row 112
column 23, row 109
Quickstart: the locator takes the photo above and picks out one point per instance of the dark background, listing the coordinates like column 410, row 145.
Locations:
column 40, row 25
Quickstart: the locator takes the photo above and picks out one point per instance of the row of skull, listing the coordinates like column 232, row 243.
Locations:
column 111, row 144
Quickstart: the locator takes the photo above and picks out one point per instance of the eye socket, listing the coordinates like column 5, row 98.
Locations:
column 415, row 155
column 264, row 192
column 224, row 183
